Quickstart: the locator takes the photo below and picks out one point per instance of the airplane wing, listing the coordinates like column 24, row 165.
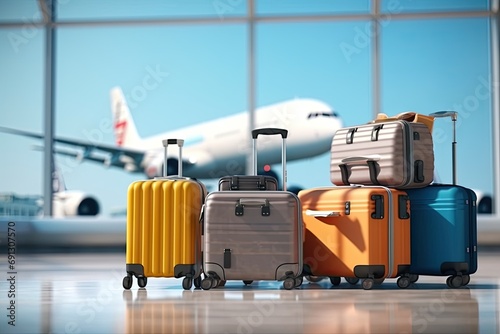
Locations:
column 113, row 156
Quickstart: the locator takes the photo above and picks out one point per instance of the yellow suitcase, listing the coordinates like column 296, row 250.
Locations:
column 163, row 228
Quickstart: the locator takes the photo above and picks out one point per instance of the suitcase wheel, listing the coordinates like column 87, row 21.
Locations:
column 142, row 281
column 187, row 282
column 465, row 279
column 335, row 280
column 298, row 281
column 197, row 282
column 404, row 282
column 413, row 278
column 289, row 283
column 207, row 283
column 247, row 282
column 454, row 281
column 352, row 280
column 368, row 283
column 127, row 282
column 215, row 282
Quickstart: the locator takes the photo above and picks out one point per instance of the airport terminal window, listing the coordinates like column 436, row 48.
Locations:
column 425, row 65
column 149, row 10
column 318, row 7
column 406, row 6
column 314, row 60
column 25, row 11
column 162, row 70
column 444, row 64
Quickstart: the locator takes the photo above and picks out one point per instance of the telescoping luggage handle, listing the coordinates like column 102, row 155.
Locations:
column 270, row 131
column 453, row 115
column 166, row 143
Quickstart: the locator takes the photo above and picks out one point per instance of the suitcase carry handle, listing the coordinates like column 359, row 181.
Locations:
column 366, row 158
column 265, row 209
column 166, row 143
column 270, row 131
column 319, row 213
column 370, row 161
column 454, row 116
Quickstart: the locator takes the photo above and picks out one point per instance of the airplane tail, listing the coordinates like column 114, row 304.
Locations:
column 125, row 131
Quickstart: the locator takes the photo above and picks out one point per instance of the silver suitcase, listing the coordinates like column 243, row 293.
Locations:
column 397, row 154
column 253, row 235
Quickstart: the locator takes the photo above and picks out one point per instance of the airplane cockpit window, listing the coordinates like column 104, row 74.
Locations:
column 323, row 114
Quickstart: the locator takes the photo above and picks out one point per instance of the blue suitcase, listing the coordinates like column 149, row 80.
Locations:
column 443, row 233
column 444, row 227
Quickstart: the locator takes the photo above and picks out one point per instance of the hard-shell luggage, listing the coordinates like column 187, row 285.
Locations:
column 357, row 232
column 163, row 228
column 253, row 235
column 444, row 233
column 397, row 154
column 444, row 228
column 251, row 182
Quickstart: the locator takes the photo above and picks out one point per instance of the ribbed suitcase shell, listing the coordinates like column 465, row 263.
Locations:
column 163, row 227
column 260, row 247
column 400, row 153
column 443, row 230
column 358, row 239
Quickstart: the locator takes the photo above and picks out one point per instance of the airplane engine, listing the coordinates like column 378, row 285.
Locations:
column 484, row 202
column 74, row 203
column 155, row 168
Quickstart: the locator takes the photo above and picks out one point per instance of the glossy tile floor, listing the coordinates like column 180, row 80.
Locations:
column 83, row 293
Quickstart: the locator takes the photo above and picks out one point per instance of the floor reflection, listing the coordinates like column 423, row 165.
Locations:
column 83, row 293
column 308, row 310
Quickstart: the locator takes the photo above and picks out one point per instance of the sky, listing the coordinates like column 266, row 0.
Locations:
column 427, row 65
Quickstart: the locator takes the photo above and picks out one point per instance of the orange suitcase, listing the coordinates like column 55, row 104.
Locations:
column 163, row 228
column 357, row 232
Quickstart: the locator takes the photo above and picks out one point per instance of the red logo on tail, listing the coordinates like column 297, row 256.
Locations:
column 120, row 126
column 120, row 132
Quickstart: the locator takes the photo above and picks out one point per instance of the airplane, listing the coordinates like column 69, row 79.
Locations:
column 212, row 149
column 65, row 202
column 70, row 203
